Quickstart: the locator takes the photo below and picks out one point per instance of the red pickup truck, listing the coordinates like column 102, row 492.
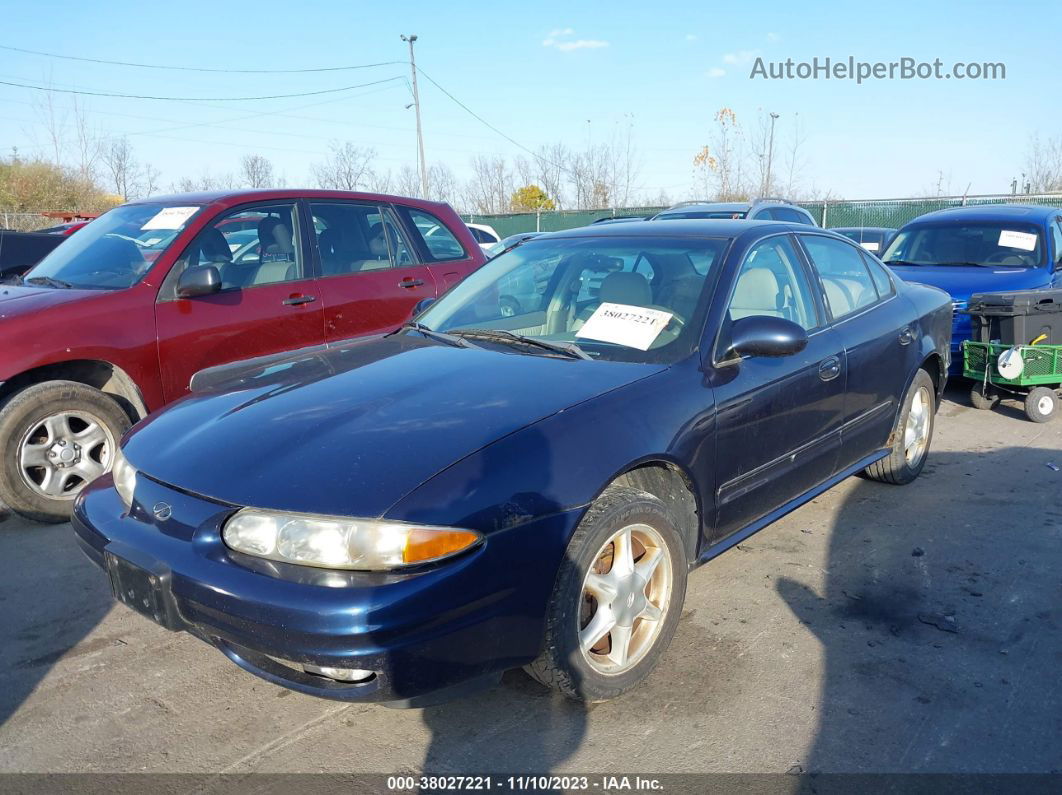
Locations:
column 113, row 323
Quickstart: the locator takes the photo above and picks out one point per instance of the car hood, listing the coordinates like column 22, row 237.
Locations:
column 962, row 282
column 17, row 300
column 352, row 429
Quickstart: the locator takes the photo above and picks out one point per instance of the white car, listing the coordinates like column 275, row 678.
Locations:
column 484, row 235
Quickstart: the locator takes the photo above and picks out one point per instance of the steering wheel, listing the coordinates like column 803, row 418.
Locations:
column 676, row 318
column 1005, row 258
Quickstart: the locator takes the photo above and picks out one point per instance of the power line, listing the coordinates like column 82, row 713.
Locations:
column 201, row 68
column 197, row 99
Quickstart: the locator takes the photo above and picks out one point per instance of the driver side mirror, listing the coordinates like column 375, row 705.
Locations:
column 201, row 280
column 764, row 335
column 421, row 305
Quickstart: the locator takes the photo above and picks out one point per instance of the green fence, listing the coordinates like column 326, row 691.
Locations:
column 867, row 212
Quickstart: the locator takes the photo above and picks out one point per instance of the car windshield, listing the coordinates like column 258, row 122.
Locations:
column 115, row 250
column 990, row 243
column 632, row 299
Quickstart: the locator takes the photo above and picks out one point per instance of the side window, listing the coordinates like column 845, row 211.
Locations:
column 773, row 282
column 789, row 214
column 438, row 239
column 1056, row 234
column 250, row 247
column 881, row 278
column 845, row 279
column 352, row 238
column 482, row 236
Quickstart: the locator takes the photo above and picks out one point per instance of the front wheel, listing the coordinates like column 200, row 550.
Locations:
column 55, row 437
column 1041, row 404
column 617, row 598
column 911, row 436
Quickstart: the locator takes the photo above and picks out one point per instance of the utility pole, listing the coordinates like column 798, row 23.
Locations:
column 420, row 133
column 770, row 156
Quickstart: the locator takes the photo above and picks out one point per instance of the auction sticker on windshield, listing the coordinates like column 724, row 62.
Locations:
column 169, row 218
column 622, row 324
column 1023, row 240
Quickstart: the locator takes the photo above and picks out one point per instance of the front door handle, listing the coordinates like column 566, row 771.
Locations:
column 830, row 368
column 296, row 300
column 906, row 335
column 410, row 282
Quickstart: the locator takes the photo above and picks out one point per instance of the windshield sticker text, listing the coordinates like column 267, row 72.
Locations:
column 622, row 324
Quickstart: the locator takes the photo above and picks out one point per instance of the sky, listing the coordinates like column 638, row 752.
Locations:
column 545, row 72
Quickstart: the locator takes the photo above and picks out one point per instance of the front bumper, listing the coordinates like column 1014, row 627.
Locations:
column 421, row 633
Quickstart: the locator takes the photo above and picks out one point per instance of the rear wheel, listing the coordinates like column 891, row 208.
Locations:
column 617, row 598
column 55, row 438
column 1041, row 404
column 983, row 397
column 911, row 436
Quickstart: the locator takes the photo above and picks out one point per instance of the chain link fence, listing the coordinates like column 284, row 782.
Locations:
column 867, row 212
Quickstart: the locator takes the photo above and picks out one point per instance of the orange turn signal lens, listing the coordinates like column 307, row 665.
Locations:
column 423, row 545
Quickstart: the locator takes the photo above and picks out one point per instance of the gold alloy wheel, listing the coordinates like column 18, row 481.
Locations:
column 624, row 599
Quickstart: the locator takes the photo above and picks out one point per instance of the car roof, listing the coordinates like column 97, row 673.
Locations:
column 721, row 207
column 239, row 196
column 840, row 229
column 989, row 212
column 683, row 227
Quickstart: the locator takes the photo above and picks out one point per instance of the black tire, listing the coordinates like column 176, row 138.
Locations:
column 985, row 400
column 561, row 665
column 24, row 412
column 1041, row 404
column 895, row 468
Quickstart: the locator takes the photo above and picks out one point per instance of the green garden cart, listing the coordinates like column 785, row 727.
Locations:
column 1038, row 379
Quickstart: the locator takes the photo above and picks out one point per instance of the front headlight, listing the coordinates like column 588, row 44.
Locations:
column 124, row 478
column 335, row 542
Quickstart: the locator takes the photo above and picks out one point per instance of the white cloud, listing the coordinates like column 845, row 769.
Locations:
column 773, row 37
column 715, row 71
column 740, row 57
column 558, row 40
column 692, row 37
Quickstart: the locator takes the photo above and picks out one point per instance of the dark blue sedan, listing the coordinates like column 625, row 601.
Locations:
column 403, row 517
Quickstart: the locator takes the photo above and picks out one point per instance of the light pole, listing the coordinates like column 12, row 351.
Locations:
column 420, row 133
column 770, row 156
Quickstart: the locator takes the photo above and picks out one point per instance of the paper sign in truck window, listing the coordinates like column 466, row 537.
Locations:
column 1023, row 240
column 170, row 218
column 869, row 245
column 632, row 326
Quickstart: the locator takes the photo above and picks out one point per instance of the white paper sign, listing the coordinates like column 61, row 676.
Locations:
column 632, row 326
column 169, row 218
column 869, row 245
column 1023, row 240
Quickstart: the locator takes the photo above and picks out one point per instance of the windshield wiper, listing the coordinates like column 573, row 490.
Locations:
column 12, row 278
column 48, row 281
column 902, row 262
column 439, row 336
column 508, row 337
column 962, row 263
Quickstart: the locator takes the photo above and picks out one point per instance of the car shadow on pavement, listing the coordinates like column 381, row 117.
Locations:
column 940, row 620
column 51, row 597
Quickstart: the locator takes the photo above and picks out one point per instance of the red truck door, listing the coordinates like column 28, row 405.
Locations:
column 269, row 301
column 370, row 276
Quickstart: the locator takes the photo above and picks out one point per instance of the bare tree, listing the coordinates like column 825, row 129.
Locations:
column 121, row 166
column 256, row 171
column 1043, row 165
column 491, row 185
column 347, row 167
column 89, row 142
column 407, row 181
column 794, row 157
column 442, row 184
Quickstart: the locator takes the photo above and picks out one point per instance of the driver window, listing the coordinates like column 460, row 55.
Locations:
column 249, row 247
column 772, row 282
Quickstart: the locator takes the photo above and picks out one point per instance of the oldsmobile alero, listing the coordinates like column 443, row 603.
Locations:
column 402, row 517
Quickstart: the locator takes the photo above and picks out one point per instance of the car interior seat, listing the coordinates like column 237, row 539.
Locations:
column 757, row 293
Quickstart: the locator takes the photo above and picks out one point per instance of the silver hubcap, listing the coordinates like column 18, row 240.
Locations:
column 916, row 434
column 625, row 599
column 61, row 454
column 1045, row 405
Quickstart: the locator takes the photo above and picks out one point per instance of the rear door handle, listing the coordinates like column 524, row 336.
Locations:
column 906, row 335
column 411, row 282
column 830, row 368
column 296, row 300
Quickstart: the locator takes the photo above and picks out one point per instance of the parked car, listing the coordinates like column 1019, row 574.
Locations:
column 618, row 219
column 872, row 238
column 511, row 240
column 113, row 323
column 756, row 210
column 484, row 235
column 20, row 251
column 980, row 249
column 397, row 518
